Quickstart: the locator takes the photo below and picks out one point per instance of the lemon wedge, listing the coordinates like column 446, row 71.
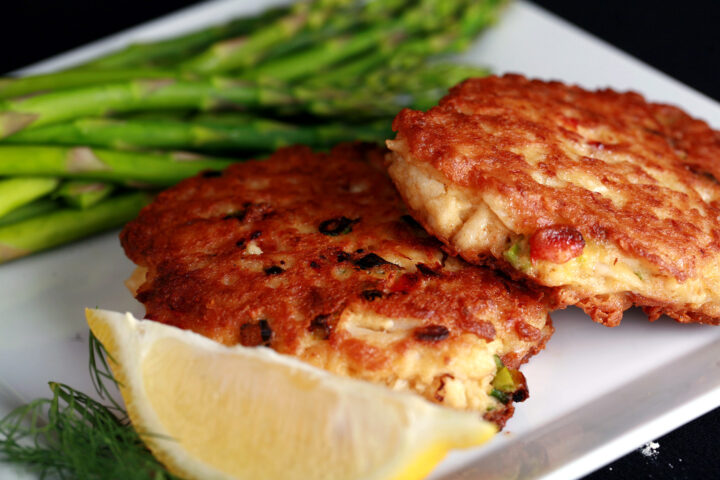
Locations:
column 216, row 412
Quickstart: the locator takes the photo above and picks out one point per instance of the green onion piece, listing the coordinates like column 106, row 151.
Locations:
column 500, row 396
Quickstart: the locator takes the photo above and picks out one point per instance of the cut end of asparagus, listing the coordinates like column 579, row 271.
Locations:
column 8, row 252
column 83, row 159
column 11, row 122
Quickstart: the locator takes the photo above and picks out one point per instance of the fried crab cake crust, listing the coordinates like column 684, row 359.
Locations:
column 610, row 200
column 314, row 255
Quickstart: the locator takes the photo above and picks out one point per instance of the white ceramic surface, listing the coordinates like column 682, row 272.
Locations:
column 596, row 393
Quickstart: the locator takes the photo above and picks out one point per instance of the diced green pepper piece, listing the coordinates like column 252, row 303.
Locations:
column 498, row 363
column 502, row 397
column 504, row 381
column 515, row 256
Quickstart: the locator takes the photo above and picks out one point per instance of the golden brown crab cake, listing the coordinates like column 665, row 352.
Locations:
column 607, row 198
column 314, row 255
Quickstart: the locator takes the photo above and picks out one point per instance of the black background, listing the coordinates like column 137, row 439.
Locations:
column 680, row 38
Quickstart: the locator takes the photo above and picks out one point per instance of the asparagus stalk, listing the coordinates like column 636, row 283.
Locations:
column 209, row 134
column 427, row 16
column 476, row 17
column 424, row 78
column 366, row 101
column 82, row 193
column 359, row 16
column 172, row 50
column 65, row 225
column 15, row 87
column 128, row 168
column 246, row 51
column 157, row 94
column 349, row 73
column 57, row 107
column 15, row 192
column 33, row 209
column 413, row 52
column 17, row 115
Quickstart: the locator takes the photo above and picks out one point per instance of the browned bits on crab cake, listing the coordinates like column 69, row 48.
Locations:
column 315, row 256
column 608, row 198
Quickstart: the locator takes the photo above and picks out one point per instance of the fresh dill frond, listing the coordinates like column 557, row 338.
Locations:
column 100, row 372
column 72, row 435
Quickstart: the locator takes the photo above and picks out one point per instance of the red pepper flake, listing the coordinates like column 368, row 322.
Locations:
column 556, row 243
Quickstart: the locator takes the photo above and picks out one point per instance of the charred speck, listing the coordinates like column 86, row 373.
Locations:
column 343, row 257
column 320, row 327
column 520, row 395
column 238, row 215
column 240, row 243
column 369, row 261
column 265, row 331
column 143, row 297
column 431, row 333
column 425, row 270
column 314, row 265
column 359, row 250
column 211, row 173
column 255, row 234
column 337, row 226
column 411, row 221
column 371, row 295
column 255, row 334
column 274, row 270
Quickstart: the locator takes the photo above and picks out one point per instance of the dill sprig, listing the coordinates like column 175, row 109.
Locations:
column 72, row 435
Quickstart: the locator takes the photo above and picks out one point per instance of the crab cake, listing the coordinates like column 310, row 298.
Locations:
column 610, row 200
column 314, row 255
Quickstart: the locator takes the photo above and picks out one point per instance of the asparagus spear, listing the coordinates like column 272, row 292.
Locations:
column 15, row 192
column 83, row 193
column 17, row 115
column 476, row 17
column 15, row 87
column 65, row 225
column 356, row 18
column 157, row 94
column 128, row 168
column 368, row 101
column 426, row 16
column 33, row 209
column 424, row 78
column 167, row 52
column 413, row 52
column 202, row 134
column 137, row 60
column 246, row 51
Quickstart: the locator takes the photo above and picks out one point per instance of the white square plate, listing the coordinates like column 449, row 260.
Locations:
column 596, row 393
